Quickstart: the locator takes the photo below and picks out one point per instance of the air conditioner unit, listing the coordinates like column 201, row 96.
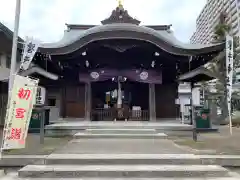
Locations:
column 41, row 96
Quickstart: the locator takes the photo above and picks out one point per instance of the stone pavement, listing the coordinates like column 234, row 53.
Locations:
column 120, row 146
column 123, row 158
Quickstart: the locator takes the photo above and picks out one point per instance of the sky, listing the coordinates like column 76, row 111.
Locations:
column 45, row 19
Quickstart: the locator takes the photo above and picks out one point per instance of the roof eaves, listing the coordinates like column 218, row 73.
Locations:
column 8, row 32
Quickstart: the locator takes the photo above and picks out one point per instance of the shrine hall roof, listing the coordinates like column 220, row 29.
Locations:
column 161, row 38
column 120, row 25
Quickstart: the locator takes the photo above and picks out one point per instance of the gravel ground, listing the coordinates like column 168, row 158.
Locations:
column 221, row 142
column 33, row 146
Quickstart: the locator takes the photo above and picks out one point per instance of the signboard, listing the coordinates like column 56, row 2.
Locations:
column 202, row 98
column 229, row 74
column 30, row 49
column 201, row 117
column 40, row 96
column 196, row 96
column 197, row 111
column 18, row 114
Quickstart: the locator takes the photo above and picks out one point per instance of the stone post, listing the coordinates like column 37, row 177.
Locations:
column 152, row 102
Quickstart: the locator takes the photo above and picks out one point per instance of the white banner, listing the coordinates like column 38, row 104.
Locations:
column 30, row 48
column 229, row 74
column 19, row 111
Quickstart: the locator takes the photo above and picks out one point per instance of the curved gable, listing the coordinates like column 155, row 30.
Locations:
column 165, row 40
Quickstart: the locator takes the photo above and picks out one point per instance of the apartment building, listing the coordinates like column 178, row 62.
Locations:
column 210, row 17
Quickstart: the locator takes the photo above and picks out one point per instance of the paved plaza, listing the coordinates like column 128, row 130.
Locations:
column 120, row 146
column 101, row 150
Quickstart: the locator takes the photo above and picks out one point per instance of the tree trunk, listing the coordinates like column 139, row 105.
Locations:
column 224, row 108
column 213, row 111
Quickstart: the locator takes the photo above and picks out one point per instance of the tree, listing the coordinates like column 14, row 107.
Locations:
column 218, row 65
column 220, row 31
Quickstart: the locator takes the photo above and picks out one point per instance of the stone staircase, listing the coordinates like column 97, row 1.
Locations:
column 120, row 133
column 122, row 171
column 130, row 160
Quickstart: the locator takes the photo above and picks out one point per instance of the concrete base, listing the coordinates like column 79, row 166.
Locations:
column 120, row 171
column 121, row 131
column 206, row 130
column 88, row 159
column 117, row 135
column 177, row 159
column 120, row 159
column 15, row 177
column 71, row 128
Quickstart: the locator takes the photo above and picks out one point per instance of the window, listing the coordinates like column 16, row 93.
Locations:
column 8, row 61
column 51, row 102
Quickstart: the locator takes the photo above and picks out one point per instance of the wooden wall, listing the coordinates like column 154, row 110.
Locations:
column 73, row 101
column 165, row 100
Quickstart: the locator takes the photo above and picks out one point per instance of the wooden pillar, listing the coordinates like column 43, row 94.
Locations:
column 63, row 102
column 152, row 102
column 88, row 101
column 193, row 114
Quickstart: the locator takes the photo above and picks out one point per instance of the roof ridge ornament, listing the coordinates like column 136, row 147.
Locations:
column 120, row 3
column 120, row 15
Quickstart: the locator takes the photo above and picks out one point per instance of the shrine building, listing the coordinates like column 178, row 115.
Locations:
column 119, row 66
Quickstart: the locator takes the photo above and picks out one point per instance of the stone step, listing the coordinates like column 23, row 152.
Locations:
column 118, row 159
column 70, row 128
column 120, row 125
column 82, row 135
column 121, row 131
column 137, row 126
column 14, row 176
column 122, row 171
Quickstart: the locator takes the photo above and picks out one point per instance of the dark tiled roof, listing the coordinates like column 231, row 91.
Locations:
column 8, row 32
column 86, row 27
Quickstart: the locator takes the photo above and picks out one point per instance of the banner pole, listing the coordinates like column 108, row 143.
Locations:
column 230, row 124
column 13, row 58
column 14, row 44
column 229, row 75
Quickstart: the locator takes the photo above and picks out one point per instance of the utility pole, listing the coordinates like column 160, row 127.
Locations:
column 14, row 45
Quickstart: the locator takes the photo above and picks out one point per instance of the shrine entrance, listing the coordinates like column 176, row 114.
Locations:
column 134, row 99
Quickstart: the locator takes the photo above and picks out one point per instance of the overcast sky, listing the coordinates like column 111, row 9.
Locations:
column 45, row 19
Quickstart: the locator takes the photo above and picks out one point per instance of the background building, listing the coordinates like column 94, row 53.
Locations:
column 6, row 36
column 210, row 17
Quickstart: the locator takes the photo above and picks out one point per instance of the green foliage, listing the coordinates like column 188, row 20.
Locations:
column 220, row 30
column 218, row 66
